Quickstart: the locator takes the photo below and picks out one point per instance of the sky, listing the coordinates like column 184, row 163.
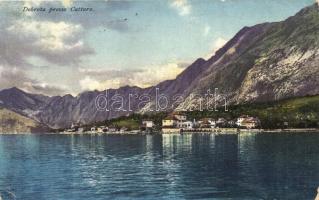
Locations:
column 118, row 43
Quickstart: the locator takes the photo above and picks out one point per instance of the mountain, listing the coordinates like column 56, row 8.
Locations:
column 11, row 122
column 268, row 61
column 265, row 62
column 62, row 111
column 18, row 100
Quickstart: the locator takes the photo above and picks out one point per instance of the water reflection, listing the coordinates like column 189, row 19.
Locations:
column 246, row 166
column 284, row 164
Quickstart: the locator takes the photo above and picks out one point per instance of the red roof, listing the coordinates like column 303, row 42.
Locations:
column 170, row 117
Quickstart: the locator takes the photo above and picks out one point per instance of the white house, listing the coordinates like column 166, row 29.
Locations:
column 180, row 117
column 247, row 121
column 174, row 120
column 221, row 122
column 148, row 123
column 170, row 122
column 241, row 119
column 207, row 123
column 112, row 129
column 185, row 124
column 102, row 129
column 251, row 122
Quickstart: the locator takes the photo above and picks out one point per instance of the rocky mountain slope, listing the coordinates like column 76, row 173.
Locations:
column 268, row 61
column 13, row 123
column 265, row 62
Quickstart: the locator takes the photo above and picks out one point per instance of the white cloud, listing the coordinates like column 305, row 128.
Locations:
column 67, row 3
column 50, row 36
column 43, row 88
column 29, row 3
column 28, row 39
column 150, row 76
column 57, row 42
column 155, row 74
column 182, row 6
column 88, row 83
column 217, row 44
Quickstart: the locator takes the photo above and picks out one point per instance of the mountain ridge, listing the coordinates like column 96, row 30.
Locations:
column 264, row 62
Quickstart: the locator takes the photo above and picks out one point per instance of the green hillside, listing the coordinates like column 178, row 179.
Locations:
column 298, row 112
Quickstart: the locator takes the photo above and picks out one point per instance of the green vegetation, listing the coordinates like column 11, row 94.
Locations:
column 300, row 112
column 131, row 124
column 133, row 121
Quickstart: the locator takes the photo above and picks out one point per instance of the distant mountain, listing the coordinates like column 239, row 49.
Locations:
column 261, row 63
column 61, row 111
column 18, row 100
column 11, row 122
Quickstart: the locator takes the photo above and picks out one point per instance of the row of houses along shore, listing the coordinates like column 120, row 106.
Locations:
column 177, row 123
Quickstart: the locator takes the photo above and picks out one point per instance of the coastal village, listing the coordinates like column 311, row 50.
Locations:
column 175, row 123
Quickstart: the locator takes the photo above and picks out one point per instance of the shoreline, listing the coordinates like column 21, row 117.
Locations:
column 238, row 131
column 179, row 131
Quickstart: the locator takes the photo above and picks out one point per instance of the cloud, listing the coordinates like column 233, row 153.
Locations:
column 155, row 74
column 102, row 73
column 44, row 88
column 183, row 65
column 58, row 38
column 38, row 2
column 12, row 77
column 88, row 83
column 67, row 3
column 15, row 77
column 68, row 28
column 29, row 33
column 104, row 14
column 59, row 43
column 23, row 38
column 183, row 7
column 217, row 44
column 150, row 76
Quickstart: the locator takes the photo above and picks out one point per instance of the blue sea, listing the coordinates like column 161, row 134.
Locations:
column 193, row 166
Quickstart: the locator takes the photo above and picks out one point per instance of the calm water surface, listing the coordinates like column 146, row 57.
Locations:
column 247, row 166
